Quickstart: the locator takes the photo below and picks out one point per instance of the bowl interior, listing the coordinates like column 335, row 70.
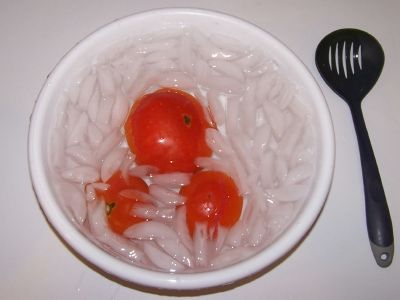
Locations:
column 92, row 47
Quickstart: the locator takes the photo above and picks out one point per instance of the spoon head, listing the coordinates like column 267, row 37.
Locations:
column 350, row 61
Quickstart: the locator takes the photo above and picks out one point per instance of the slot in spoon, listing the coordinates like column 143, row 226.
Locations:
column 351, row 61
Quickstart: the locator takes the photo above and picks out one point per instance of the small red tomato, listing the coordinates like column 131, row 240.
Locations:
column 118, row 206
column 212, row 198
column 166, row 129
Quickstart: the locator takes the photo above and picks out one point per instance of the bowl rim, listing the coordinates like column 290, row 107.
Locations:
column 92, row 253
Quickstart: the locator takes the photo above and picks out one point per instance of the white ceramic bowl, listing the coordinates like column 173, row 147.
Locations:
column 146, row 22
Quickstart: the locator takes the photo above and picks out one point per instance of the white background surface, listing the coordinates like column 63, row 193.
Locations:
column 333, row 262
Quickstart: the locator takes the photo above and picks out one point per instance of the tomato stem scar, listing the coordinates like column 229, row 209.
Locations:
column 109, row 208
column 187, row 120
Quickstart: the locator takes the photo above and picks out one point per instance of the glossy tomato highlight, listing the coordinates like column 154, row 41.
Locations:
column 213, row 198
column 166, row 129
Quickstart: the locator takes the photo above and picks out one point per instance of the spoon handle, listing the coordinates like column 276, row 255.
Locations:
column 379, row 223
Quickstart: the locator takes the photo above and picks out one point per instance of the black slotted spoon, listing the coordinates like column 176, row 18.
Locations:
column 351, row 61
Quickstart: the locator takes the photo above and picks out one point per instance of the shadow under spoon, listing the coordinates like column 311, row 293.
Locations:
column 351, row 61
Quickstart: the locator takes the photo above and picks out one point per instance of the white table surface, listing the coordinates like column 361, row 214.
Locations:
column 333, row 262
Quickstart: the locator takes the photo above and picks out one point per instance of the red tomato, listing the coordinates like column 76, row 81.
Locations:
column 166, row 129
column 119, row 207
column 212, row 198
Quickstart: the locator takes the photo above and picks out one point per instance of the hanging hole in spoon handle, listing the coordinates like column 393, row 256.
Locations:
column 379, row 224
column 383, row 255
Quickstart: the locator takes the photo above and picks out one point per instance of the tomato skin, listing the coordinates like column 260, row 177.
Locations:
column 119, row 218
column 166, row 129
column 119, row 207
column 118, row 183
column 212, row 198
